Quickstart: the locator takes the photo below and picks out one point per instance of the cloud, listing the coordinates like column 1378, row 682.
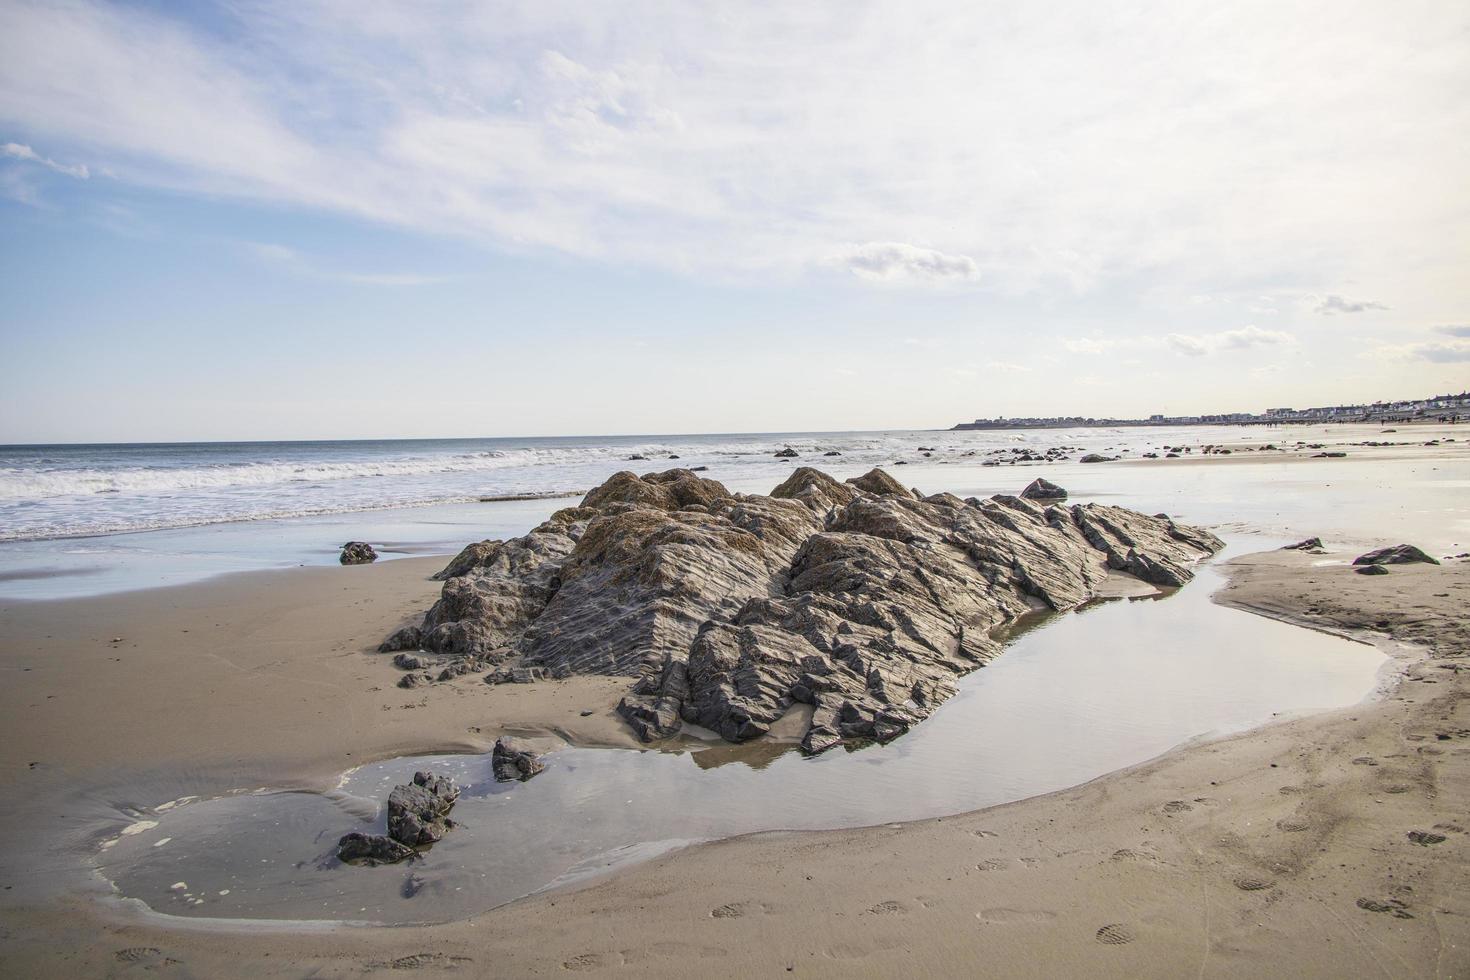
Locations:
column 1188, row 346
column 1250, row 336
column 1454, row 330
column 1051, row 150
column 898, row 261
column 1336, row 304
column 1437, row 351
column 1006, row 367
column 19, row 151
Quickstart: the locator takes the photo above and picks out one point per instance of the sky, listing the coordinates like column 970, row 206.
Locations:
column 280, row 219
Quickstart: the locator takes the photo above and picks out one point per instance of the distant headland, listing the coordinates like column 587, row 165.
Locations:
column 1439, row 408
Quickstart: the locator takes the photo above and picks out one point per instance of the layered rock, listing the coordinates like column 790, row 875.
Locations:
column 357, row 553
column 863, row 599
column 418, row 814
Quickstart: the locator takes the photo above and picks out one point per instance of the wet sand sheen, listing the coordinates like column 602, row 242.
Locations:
column 1073, row 697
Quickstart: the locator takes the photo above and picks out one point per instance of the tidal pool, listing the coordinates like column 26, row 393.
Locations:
column 1074, row 696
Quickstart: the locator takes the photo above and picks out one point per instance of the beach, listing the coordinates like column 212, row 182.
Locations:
column 1284, row 848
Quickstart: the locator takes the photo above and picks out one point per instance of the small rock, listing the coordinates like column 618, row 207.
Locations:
column 408, row 638
column 1305, row 545
column 1097, row 458
column 1399, row 554
column 371, row 849
column 418, row 812
column 358, row 553
column 1371, row 570
column 787, row 453
column 512, row 761
column 1040, row 489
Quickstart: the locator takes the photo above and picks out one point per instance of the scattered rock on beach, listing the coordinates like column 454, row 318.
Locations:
column 1097, row 458
column 512, row 760
column 1040, row 489
column 1308, row 544
column 1371, row 570
column 862, row 599
column 1399, row 554
column 372, row 849
column 787, row 453
column 418, row 812
column 408, row 661
column 357, row 553
column 407, row 638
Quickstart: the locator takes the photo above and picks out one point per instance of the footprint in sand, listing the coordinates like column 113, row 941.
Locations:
column 889, row 907
column 418, row 961
column 1453, row 828
column 136, row 954
column 588, row 961
column 1292, row 825
column 1114, row 934
column 992, row 864
column 1177, row 806
column 1394, row 907
column 1425, row 838
column 734, row 910
column 1252, row 883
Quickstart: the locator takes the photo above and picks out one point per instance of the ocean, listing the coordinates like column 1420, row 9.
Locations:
column 85, row 519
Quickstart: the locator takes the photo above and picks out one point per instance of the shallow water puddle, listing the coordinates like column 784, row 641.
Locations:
column 1073, row 697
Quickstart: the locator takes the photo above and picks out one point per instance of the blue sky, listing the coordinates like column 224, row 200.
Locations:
column 329, row 219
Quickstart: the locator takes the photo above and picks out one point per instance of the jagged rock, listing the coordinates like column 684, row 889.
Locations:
column 473, row 556
column 410, row 681
column 1040, row 489
column 357, row 553
column 1399, row 554
column 408, row 661
column 863, row 599
column 512, row 760
column 418, row 812
column 875, row 481
column 1097, row 458
column 1307, row 545
column 787, row 453
column 372, row 849
column 1371, row 570
column 407, row 638
column 831, row 452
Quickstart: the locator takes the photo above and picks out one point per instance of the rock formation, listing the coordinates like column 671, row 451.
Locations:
column 1040, row 489
column 1399, row 554
column 418, row 814
column 357, row 553
column 862, row 599
column 512, row 760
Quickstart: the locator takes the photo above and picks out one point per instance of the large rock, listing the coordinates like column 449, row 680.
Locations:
column 357, row 553
column 1399, row 554
column 473, row 556
column 418, row 812
column 862, row 599
column 1040, row 489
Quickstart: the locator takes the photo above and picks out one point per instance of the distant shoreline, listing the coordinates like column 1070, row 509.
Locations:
column 1006, row 424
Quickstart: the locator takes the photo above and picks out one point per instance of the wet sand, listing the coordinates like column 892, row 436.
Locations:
column 1284, row 850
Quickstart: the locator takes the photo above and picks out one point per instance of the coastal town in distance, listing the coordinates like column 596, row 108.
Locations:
column 1438, row 408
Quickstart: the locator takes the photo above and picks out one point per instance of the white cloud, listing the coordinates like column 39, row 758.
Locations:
column 1437, row 351
column 897, row 261
column 19, row 151
column 1006, row 367
column 1330, row 305
column 1188, row 346
column 1454, row 330
column 1046, row 150
column 1250, row 336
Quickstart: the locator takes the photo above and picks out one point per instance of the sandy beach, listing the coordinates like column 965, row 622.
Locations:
column 1282, row 850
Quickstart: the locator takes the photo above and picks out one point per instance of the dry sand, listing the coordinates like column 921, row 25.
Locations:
column 1281, row 851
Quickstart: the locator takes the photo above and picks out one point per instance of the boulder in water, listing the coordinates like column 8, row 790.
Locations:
column 512, row 760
